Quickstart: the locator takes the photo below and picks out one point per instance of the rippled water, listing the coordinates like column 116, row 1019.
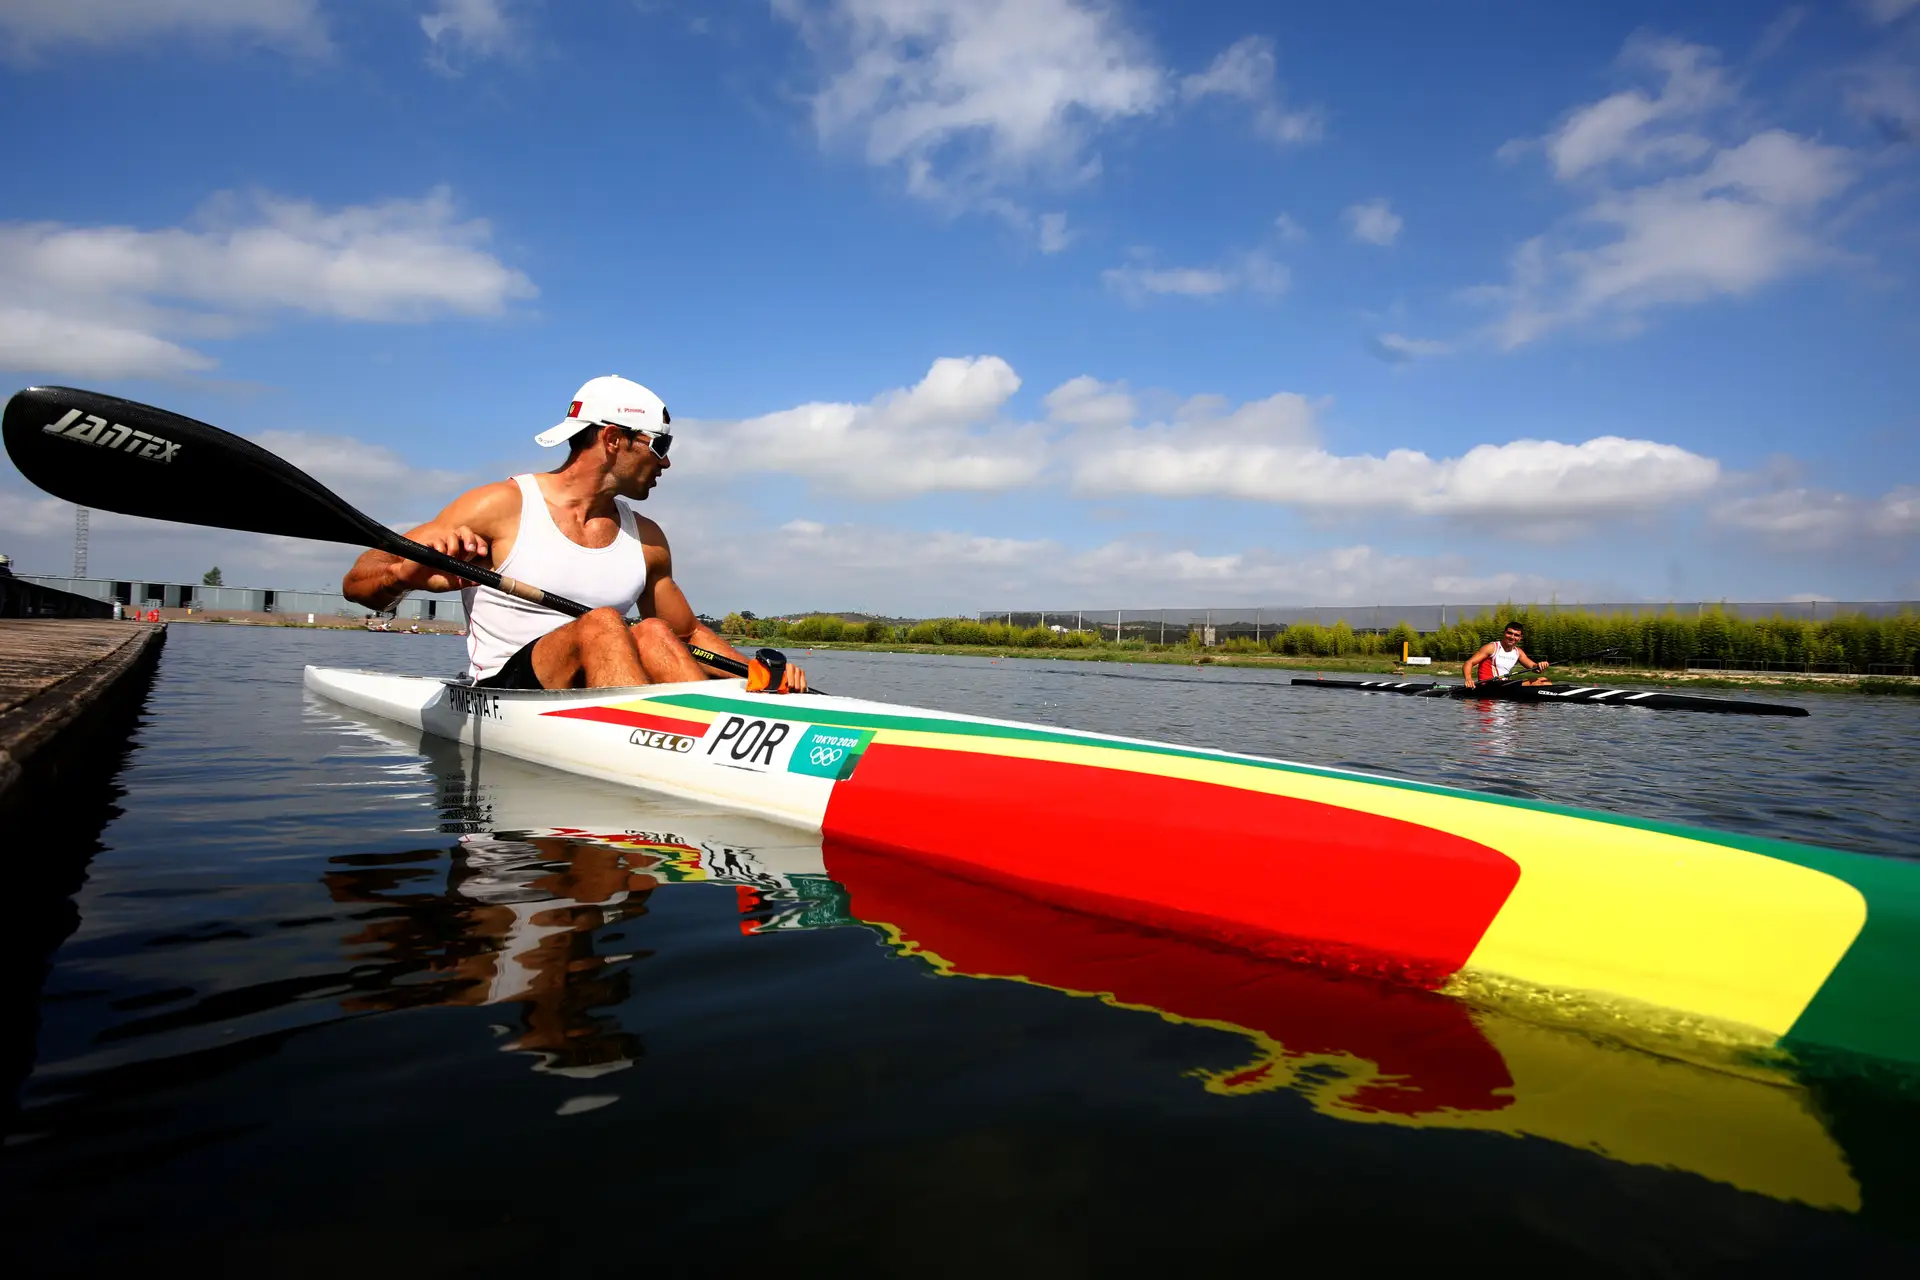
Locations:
column 331, row 995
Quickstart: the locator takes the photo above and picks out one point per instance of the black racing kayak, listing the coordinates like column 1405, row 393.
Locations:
column 1501, row 691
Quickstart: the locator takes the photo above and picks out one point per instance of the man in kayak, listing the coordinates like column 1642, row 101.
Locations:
column 1496, row 659
column 566, row 532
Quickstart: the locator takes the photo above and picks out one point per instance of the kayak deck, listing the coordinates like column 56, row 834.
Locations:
column 1752, row 942
column 1645, row 699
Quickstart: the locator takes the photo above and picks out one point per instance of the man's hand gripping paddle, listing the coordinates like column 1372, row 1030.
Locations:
column 119, row 455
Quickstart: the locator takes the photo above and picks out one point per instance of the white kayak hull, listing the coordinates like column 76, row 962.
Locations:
column 1429, row 885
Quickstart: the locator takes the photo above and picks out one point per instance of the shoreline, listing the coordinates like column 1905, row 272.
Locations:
column 1376, row 664
column 1783, row 681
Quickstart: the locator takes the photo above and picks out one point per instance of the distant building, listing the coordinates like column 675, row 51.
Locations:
column 205, row 599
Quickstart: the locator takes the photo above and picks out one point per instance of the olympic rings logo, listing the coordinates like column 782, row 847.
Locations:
column 824, row 756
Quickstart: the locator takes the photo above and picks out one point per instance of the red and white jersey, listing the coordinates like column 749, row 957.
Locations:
column 1499, row 664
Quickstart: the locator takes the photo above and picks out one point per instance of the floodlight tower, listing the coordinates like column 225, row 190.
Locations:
column 79, row 542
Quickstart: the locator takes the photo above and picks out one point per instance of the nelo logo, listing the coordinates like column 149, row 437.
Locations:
column 89, row 429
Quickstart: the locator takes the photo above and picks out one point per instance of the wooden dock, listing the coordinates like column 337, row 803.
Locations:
column 60, row 680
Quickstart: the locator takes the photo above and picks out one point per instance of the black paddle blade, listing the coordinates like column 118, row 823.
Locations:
column 118, row 455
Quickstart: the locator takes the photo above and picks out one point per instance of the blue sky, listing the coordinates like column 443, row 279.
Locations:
column 1039, row 304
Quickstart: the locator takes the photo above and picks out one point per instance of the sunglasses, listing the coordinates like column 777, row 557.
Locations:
column 659, row 443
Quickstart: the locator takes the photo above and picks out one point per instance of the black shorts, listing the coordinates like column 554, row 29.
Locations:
column 515, row 673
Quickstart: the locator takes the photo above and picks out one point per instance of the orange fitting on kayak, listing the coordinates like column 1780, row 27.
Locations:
column 766, row 672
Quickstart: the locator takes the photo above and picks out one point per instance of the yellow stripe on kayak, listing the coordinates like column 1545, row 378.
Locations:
column 1654, row 917
column 670, row 710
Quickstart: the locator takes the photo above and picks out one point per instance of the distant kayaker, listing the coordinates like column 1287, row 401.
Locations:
column 1496, row 659
column 566, row 532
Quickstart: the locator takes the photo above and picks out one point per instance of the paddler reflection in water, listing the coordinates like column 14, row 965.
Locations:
column 567, row 532
column 1496, row 659
column 517, row 927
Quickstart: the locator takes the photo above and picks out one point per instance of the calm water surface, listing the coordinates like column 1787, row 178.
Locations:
column 302, row 991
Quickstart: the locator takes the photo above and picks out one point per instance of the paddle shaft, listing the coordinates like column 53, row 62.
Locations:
column 408, row 549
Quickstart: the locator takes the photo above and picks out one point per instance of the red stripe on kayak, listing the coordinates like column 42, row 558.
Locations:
column 632, row 719
column 1272, row 874
column 1430, row 1054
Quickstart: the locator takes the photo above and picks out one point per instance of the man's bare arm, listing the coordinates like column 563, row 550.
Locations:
column 466, row 530
column 1467, row 670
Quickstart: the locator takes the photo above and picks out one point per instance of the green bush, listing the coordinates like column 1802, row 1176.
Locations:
column 819, row 626
column 1662, row 637
column 967, row 631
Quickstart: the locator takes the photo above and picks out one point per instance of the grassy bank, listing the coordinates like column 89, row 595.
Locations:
column 1658, row 646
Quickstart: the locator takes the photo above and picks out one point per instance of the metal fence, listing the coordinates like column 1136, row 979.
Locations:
column 1174, row 624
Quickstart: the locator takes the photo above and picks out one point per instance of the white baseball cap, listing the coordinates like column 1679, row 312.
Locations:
column 611, row 401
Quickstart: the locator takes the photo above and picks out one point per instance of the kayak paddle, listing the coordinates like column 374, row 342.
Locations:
column 119, row 455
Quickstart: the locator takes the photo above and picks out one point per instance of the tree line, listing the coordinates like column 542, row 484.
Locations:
column 1655, row 638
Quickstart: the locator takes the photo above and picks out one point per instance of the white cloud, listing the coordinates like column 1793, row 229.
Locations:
column 1246, row 71
column 1088, row 402
column 975, row 103
column 1885, row 11
column 370, row 476
column 950, row 572
column 1627, row 127
column 116, row 301
column 1269, row 451
column 1397, row 349
column 967, row 97
column 1671, row 216
column 30, row 26
column 1821, row 519
column 41, row 341
column 951, row 432
column 1373, row 222
column 1288, row 228
column 25, row 516
column 1884, row 90
column 1251, row 272
column 459, row 29
column 943, row 433
column 1054, row 235
column 1775, row 36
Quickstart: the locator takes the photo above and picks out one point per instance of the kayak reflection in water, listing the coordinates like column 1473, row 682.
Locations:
column 517, row 927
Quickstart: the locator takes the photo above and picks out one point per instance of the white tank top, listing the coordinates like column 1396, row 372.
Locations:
column 1503, row 660
column 499, row 625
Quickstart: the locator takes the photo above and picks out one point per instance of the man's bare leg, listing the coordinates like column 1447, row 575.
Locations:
column 593, row 652
column 664, row 655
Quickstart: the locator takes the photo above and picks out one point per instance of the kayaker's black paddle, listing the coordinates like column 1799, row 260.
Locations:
column 119, row 455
